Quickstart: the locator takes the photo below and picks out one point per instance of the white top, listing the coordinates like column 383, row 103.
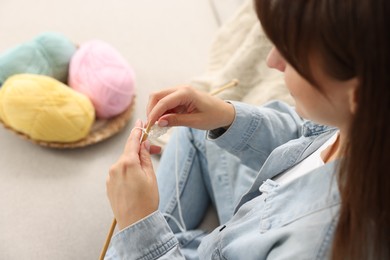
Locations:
column 307, row 165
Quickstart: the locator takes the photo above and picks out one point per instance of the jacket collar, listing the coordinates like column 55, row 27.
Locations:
column 288, row 155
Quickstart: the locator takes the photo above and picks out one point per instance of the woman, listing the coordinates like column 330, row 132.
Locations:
column 317, row 175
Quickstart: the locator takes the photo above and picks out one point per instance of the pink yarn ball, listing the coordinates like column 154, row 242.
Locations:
column 99, row 71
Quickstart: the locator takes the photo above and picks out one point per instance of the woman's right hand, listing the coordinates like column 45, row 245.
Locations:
column 186, row 106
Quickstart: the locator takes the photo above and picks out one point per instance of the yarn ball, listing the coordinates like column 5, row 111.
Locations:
column 45, row 109
column 101, row 73
column 47, row 54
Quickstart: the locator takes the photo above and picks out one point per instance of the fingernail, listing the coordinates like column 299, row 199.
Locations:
column 138, row 122
column 162, row 123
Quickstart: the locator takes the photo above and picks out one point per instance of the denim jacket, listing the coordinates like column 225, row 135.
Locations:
column 292, row 221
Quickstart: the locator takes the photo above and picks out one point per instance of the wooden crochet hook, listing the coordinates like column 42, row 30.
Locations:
column 113, row 224
column 144, row 136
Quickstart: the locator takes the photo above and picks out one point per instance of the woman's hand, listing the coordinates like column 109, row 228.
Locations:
column 131, row 183
column 186, row 106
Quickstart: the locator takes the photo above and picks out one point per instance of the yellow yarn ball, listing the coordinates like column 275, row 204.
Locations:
column 45, row 109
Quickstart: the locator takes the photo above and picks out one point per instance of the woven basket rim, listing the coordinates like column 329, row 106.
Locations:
column 101, row 130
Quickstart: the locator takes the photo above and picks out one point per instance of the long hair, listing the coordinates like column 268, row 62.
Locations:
column 352, row 39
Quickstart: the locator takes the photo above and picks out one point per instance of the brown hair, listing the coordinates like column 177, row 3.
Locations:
column 353, row 41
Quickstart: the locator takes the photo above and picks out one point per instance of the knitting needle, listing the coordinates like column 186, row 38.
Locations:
column 108, row 239
column 113, row 224
column 231, row 84
column 144, row 136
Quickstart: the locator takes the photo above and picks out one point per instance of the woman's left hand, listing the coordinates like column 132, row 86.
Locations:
column 131, row 183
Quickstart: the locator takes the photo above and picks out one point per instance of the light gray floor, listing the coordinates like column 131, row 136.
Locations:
column 52, row 202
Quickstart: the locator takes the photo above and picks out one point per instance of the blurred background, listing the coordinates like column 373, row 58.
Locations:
column 53, row 202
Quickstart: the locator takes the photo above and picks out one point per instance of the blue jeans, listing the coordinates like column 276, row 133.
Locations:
column 207, row 174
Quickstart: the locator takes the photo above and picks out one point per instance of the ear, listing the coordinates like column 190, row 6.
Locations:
column 353, row 93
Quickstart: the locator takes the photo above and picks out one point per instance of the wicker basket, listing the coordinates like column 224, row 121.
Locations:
column 100, row 131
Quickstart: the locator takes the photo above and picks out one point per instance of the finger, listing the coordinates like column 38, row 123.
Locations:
column 146, row 161
column 195, row 120
column 154, row 149
column 157, row 96
column 177, row 99
column 132, row 143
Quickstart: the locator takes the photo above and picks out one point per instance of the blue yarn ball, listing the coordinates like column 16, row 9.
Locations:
column 47, row 54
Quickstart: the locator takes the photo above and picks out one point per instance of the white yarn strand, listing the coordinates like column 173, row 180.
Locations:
column 154, row 133
column 177, row 183
column 180, row 224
